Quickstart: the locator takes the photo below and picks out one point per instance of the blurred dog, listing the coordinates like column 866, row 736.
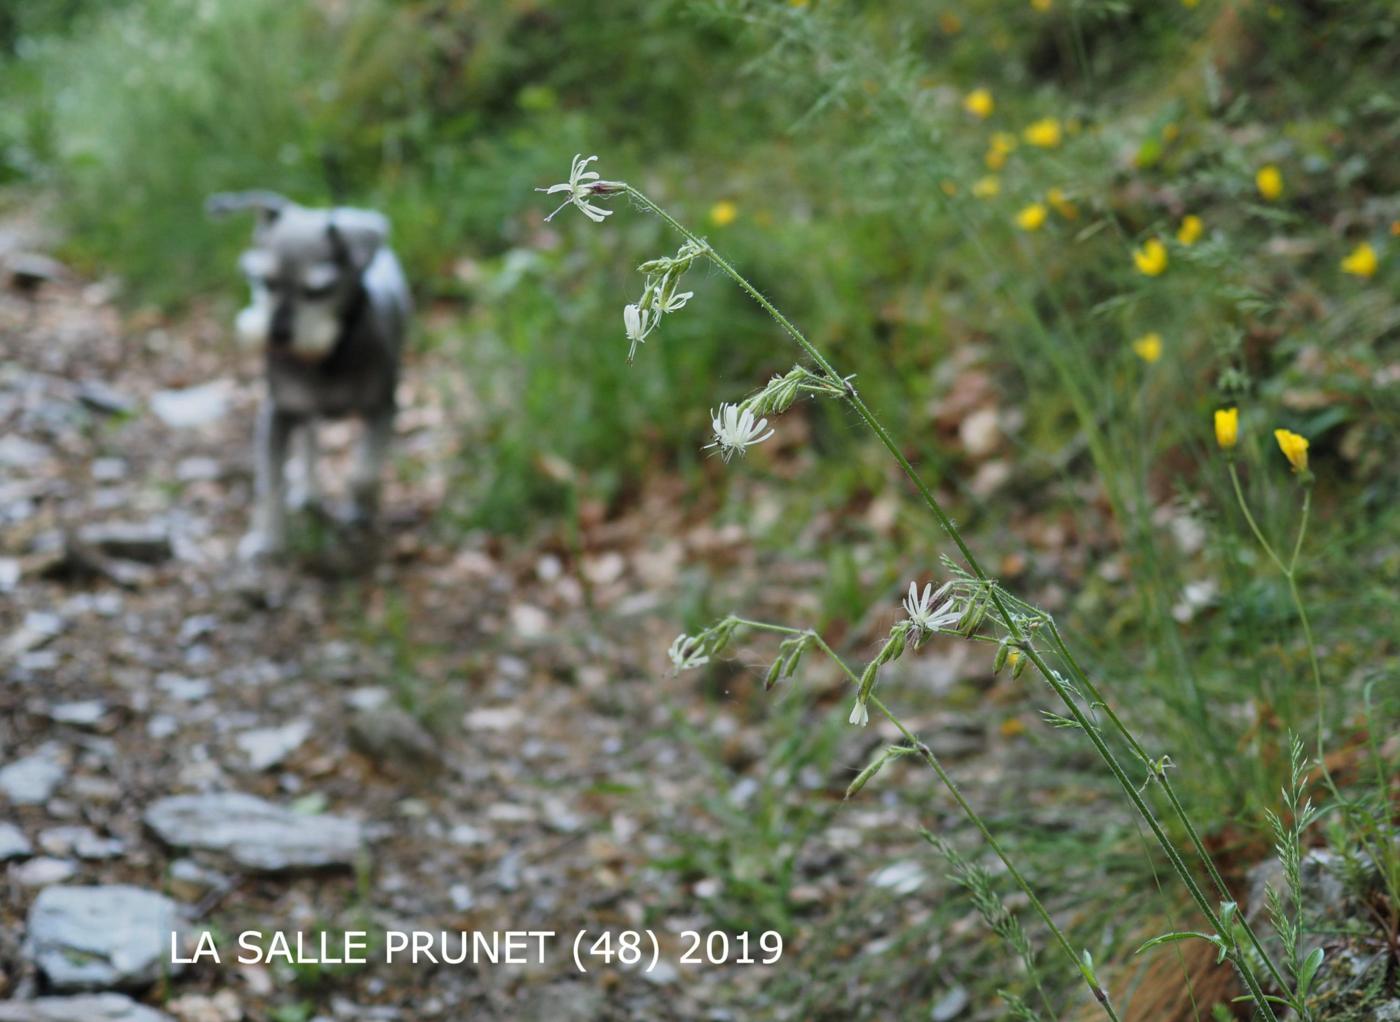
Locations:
column 330, row 308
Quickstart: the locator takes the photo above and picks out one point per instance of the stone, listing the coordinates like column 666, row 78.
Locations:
column 13, row 843
column 146, row 542
column 31, row 270
column 43, row 871
column 84, row 842
column 266, row 747
column 222, row 1007
column 32, row 780
column 38, row 628
column 101, row 397
column 950, row 1005
column 192, row 406
column 81, row 713
column 254, row 833
column 103, row 937
column 393, row 738
column 83, row 1008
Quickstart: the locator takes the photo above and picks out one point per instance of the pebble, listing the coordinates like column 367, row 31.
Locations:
column 38, row 628
column 32, row 780
column 192, row 406
column 147, row 542
column 13, row 843
column 268, row 746
column 254, row 833
column 108, row 936
column 43, row 872
column 90, row 1008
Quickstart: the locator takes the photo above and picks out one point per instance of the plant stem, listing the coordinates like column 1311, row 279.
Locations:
column 1013, row 628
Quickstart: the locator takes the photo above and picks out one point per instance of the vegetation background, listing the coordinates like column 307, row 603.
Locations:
column 958, row 199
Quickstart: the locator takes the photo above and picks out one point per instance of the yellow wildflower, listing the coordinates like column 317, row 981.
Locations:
column 1362, row 262
column 723, row 213
column 1269, row 180
column 979, row 103
column 1151, row 259
column 1056, row 197
column 986, row 187
column 1189, row 3
column 1044, row 133
column 1032, row 218
column 1011, row 727
column 950, row 188
column 1003, row 144
column 1294, row 448
column 1190, row 230
column 1227, row 427
column 1042, row 5
column 1148, row 347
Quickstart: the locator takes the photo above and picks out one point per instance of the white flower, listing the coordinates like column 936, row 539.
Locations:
column 581, row 184
column 736, row 430
column 859, row 714
column 673, row 304
column 922, row 613
column 685, row 652
column 638, row 322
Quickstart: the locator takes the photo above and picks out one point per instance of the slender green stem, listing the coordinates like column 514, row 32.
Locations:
column 1007, row 619
column 1253, row 525
column 936, row 766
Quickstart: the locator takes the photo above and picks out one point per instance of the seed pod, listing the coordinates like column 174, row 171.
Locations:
column 972, row 620
column 774, row 673
column 999, row 661
column 1018, row 665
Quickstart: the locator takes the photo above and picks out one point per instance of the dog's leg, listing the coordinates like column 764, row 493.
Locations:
column 369, row 463
column 305, row 490
column 269, row 532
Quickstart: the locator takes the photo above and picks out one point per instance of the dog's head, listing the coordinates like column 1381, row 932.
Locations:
column 305, row 268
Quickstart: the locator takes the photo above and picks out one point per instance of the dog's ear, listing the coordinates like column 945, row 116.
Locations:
column 356, row 235
column 267, row 205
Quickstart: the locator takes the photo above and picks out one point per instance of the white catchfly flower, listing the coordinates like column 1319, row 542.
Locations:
column 687, row 652
column 582, row 184
column 924, row 615
column 860, row 715
column 736, row 430
column 673, row 304
column 638, row 322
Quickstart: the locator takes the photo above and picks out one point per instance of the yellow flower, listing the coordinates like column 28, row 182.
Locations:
column 1011, row 728
column 723, row 213
column 986, row 187
column 1151, row 259
column 1056, row 197
column 1362, row 262
column 1042, row 5
column 979, row 103
column 1148, row 347
column 1032, row 218
column 1227, row 427
column 1189, row 3
column 950, row 23
column 1190, row 230
column 1294, row 448
column 1003, row 144
column 1044, row 133
column 950, row 188
column 1269, row 180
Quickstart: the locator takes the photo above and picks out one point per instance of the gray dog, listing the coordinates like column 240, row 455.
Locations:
column 330, row 309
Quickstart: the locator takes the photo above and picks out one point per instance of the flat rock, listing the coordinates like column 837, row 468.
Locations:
column 13, row 843
column 102, row 398
column 147, row 542
column 393, row 739
column 43, row 871
column 93, row 938
column 254, row 833
column 37, row 629
column 32, row 780
column 192, row 406
column 84, row 1008
column 265, row 747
